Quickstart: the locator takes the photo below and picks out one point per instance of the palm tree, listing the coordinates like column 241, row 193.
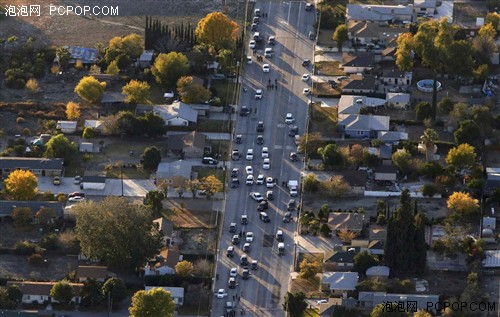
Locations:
column 428, row 140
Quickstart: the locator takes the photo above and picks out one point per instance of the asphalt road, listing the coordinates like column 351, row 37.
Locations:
column 263, row 293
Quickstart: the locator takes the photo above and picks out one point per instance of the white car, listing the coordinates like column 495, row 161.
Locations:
column 322, row 301
column 249, row 60
column 260, row 179
column 233, row 272
column 252, row 44
column 289, row 119
column 249, row 237
column 249, row 170
column 258, row 94
column 221, row 293
column 306, row 91
column 76, row 199
column 265, row 152
column 249, row 180
column 256, row 196
column 266, row 164
column 265, row 68
column 269, row 182
column 305, row 77
column 249, row 155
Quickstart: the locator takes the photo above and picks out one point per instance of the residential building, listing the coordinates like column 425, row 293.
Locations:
column 176, row 173
column 176, row 292
column 386, row 173
column 492, row 178
column 85, row 272
column 356, row 179
column 6, row 207
column 166, row 229
column 84, row 55
column 375, row 247
column 94, row 124
column 112, row 98
column 395, row 77
column 93, row 182
column 368, row 300
column 66, row 126
column 424, row 7
column 176, row 114
column 338, row 283
column 492, row 259
column 189, row 145
column 378, row 271
column 343, row 260
column 39, row 292
column 389, row 54
column 373, row 34
column 88, row 147
column 38, row 166
column 352, row 104
column 397, row 100
column 362, row 126
column 392, row 137
column 351, row 221
column 383, row 152
column 353, row 63
column 379, row 13
column 164, row 263
column 488, row 229
column 146, row 58
column 360, row 84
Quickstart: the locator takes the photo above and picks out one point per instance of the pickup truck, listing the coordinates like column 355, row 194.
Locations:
column 293, row 186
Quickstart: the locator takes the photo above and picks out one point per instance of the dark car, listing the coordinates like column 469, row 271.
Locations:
column 238, row 139
column 235, row 239
column 253, row 27
column 293, row 131
column 332, row 83
column 288, row 217
column 306, row 62
column 260, row 139
column 235, row 183
column 232, row 282
column 76, row 194
column 234, row 172
column 293, row 157
column 232, row 227
column 244, row 260
column 263, row 205
column 244, row 111
column 245, row 274
column 244, row 219
column 260, row 126
column 292, row 205
column 209, row 160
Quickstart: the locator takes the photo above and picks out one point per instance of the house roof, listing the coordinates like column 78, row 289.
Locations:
column 66, row 124
column 168, row 112
column 366, row 29
column 112, row 97
column 390, row 51
column 392, row 136
column 358, row 122
column 385, row 152
column 6, row 206
column 366, row 82
column 492, row 259
column 386, row 169
column 94, row 179
column 178, row 168
column 84, row 54
column 355, row 178
column 378, row 270
column 343, row 256
column 343, row 281
column 177, row 292
column 489, row 222
column 170, row 256
column 349, row 104
column 424, row 3
column 347, row 220
column 396, row 73
column 493, row 173
column 146, row 56
column 182, row 141
column 31, row 163
column 86, row 147
column 95, row 124
column 395, row 97
column 362, row 12
column 165, row 226
column 95, row 272
column 41, row 288
column 421, row 301
column 358, row 60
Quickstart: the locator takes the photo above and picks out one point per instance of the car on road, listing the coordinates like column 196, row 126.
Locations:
column 221, row 293
column 263, row 205
column 270, row 182
column 260, row 179
column 249, row 180
column 249, row 236
column 246, row 273
column 306, row 63
column 268, row 52
column 57, row 180
column 293, row 131
column 246, row 247
column 292, row 205
column 289, row 119
column 252, row 44
column 271, row 40
column 342, row 78
column 258, row 94
column 332, row 83
column 265, row 152
column 266, row 164
column 244, row 220
column 244, row 111
column 305, row 77
column 257, row 12
column 232, row 282
column 235, row 239
column 244, row 260
column 312, row 35
column 209, row 160
column 77, row 180
column 281, row 248
column 260, row 139
column 256, row 196
column 239, row 138
column 235, row 172
column 322, row 301
column 288, row 217
column 309, row 6
column 249, row 155
column 279, row 236
column 264, row 217
column 235, row 182
column 260, row 126
column 253, row 27
column 265, row 68
column 294, row 157
column 76, row 199
column 233, row 272
column 230, row 251
column 269, row 194
column 249, row 170
column 306, row 91
column 255, row 265
column 235, row 155
column 232, row 227
column 256, row 20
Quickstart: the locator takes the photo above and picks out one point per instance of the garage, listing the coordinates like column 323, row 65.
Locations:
column 93, row 182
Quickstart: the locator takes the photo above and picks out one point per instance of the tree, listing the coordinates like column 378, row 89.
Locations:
column 363, row 261
column 387, row 309
column 151, row 125
column 136, row 91
column 154, row 200
column 72, row 110
column 194, row 186
column 340, row 35
column 468, row 132
column 132, row 45
column 460, row 58
column 423, row 110
column 337, row 186
column 311, row 183
column 295, row 304
column 429, row 190
column 22, row 216
column 60, row 147
column 445, row 106
column 32, row 85
column 483, row 48
column 191, row 92
column 462, row 156
column 402, row 159
column 116, row 289
column 428, row 140
column 88, row 133
column 357, row 152
column 113, row 68
column 21, row 185
column 184, row 268
column 63, row 56
column 325, row 230
column 168, row 68
column 45, row 215
column 310, row 142
column 152, row 158
column 494, row 19
column 404, row 54
column 155, row 302
column 487, row 30
column 346, row 235
column 309, row 269
column 210, row 185
column 117, row 232
column 62, row 291
column 331, row 155
column 481, row 72
column 218, row 31
column 463, row 204
column 90, row 89
column 91, row 293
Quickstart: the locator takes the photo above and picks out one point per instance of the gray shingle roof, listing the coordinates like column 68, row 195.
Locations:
column 362, row 12
column 356, row 122
column 6, row 206
column 358, row 60
column 31, row 163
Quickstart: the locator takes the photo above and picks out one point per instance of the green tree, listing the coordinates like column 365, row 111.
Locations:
column 168, row 68
column 295, row 304
column 325, row 230
column 152, row 158
column 113, row 68
column 88, row 133
column 460, row 59
column 91, row 293
column 462, row 156
column 90, row 89
column 404, row 53
column 10, row 297
column 331, row 156
column 363, row 261
column 311, row 183
column 45, row 215
column 483, row 49
column 151, row 125
column 184, row 268
column 217, row 30
column 136, row 91
column 62, row 292
column 21, row 185
column 154, row 201
column 22, row 216
column 429, row 190
column 481, row 72
column 60, row 147
column 445, row 106
column 402, row 159
column 420, row 246
column 468, row 132
column 428, row 140
column 191, row 92
column 340, row 35
column 115, row 289
column 423, row 110
column 155, row 302
column 117, row 232
column 63, row 56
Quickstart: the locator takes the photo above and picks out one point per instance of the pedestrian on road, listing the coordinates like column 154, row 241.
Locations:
column 283, row 183
column 233, row 297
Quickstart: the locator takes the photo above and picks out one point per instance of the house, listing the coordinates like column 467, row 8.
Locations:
column 396, row 77
column 189, row 145
column 84, row 55
column 166, row 229
column 93, row 182
column 386, row 173
column 177, row 114
column 356, row 179
column 39, row 292
column 88, row 147
column 389, row 54
column 392, row 137
column 146, row 59
column 164, row 263
column 397, row 100
column 6, row 207
column 368, row 300
column 355, row 222
column 341, row 259
column 112, row 98
column 176, row 173
column 94, row 124
column 338, row 283
column 176, row 292
column 360, row 84
column 362, row 126
column 375, row 247
column 98, row 273
column 373, row 33
column 378, row 271
column 38, row 166
column 492, row 178
column 353, row 63
column 66, row 126
column 424, row 7
column 351, row 104
column 488, row 229
column 379, row 13
column 492, row 259
column 383, row 152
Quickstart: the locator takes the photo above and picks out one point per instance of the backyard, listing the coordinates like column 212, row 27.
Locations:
column 226, row 91
column 323, row 120
column 189, row 213
column 327, row 68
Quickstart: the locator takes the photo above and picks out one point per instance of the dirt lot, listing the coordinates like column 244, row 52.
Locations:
column 190, row 213
column 9, row 235
column 17, row 267
column 198, row 241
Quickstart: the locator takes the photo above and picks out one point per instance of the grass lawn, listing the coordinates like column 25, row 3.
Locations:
column 323, row 120
column 311, row 312
column 226, row 91
column 328, row 68
column 219, row 146
column 325, row 89
column 217, row 126
column 307, row 286
column 207, row 171
column 325, row 37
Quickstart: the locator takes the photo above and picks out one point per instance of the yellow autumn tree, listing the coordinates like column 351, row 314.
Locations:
column 72, row 110
column 217, row 30
column 21, row 185
column 136, row 91
column 463, row 204
column 90, row 89
column 184, row 268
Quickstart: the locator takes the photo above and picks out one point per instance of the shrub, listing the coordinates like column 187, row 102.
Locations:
column 50, row 242
column 55, row 69
column 32, row 85
column 35, row 259
column 26, row 132
column 429, row 190
column 25, row 248
column 381, row 220
column 20, row 120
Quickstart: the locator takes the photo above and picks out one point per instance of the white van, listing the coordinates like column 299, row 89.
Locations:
column 268, row 52
column 256, row 37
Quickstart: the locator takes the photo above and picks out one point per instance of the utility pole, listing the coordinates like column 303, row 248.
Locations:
column 121, row 177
